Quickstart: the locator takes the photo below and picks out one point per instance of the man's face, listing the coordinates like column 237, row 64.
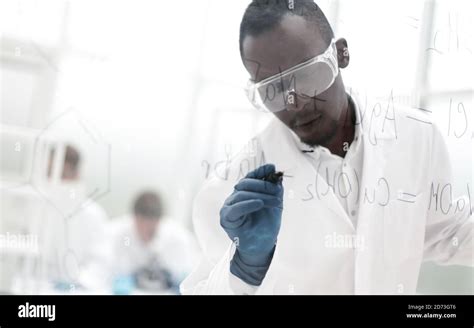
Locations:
column 146, row 228
column 313, row 119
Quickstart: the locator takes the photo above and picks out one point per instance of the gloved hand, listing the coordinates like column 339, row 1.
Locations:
column 251, row 217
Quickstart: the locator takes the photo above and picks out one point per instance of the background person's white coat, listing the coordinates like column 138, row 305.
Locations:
column 172, row 244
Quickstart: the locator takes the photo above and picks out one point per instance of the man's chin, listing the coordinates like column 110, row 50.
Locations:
column 311, row 142
column 316, row 139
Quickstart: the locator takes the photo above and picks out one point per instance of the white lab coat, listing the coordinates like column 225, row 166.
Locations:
column 75, row 246
column 403, row 159
column 172, row 245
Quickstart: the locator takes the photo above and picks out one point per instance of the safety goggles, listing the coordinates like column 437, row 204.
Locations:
column 307, row 79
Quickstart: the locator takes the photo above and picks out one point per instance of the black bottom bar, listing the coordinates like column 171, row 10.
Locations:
column 322, row 311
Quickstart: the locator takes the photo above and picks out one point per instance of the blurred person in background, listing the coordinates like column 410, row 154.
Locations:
column 151, row 252
column 74, row 231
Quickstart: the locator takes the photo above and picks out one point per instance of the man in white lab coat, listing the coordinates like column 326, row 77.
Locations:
column 366, row 194
column 147, row 240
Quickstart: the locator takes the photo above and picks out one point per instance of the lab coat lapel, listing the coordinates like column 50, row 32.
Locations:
column 301, row 178
column 378, row 138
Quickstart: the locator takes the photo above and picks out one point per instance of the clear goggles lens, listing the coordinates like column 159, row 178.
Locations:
column 309, row 79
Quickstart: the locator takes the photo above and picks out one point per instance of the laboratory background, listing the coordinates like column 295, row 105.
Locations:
column 113, row 114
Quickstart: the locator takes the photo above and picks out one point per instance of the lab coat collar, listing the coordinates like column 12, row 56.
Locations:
column 283, row 150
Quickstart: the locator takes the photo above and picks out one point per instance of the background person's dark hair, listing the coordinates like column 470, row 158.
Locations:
column 263, row 15
column 72, row 157
column 148, row 205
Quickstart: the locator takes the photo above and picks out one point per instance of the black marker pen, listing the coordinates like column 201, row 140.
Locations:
column 274, row 177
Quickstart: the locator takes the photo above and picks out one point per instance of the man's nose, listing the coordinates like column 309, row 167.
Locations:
column 296, row 102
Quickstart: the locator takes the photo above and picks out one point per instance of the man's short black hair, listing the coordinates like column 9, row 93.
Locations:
column 148, row 205
column 263, row 15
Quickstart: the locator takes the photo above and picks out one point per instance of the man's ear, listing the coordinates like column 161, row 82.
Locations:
column 343, row 56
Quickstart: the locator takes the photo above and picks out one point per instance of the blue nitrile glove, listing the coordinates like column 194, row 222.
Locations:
column 251, row 216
